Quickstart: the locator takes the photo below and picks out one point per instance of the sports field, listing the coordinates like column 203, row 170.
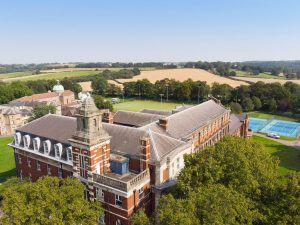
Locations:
column 288, row 156
column 138, row 105
column 7, row 162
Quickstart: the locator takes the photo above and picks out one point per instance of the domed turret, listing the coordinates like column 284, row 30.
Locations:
column 58, row 88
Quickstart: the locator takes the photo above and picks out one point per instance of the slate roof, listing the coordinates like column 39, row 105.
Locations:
column 55, row 127
column 135, row 119
column 37, row 97
column 156, row 112
column 184, row 123
column 127, row 140
column 123, row 139
column 235, row 122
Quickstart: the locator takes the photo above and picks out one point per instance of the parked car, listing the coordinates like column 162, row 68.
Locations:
column 273, row 135
column 115, row 100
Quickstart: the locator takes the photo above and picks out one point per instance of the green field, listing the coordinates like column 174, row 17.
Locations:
column 7, row 162
column 137, row 105
column 240, row 73
column 289, row 157
column 8, row 77
column 265, row 115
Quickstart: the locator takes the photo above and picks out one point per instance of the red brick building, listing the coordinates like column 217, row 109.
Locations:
column 127, row 165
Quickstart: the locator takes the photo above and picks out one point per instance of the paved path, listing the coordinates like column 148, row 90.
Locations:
column 293, row 143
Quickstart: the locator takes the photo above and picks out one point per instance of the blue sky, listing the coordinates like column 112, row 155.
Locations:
column 154, row 30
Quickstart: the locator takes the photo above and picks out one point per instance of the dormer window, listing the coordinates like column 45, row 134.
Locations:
column 58, row 149
column 36, row 143
column 69, row 153
column 17, row 138
column 26, row 141
column 47, row 146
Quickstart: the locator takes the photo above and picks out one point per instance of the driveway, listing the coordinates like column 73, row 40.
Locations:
column 293, row 143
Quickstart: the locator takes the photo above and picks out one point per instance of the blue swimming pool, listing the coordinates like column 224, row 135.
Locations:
column 280, row 127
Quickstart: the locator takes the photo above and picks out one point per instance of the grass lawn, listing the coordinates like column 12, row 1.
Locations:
column 7, row 161
column 265, row 115
column 289, row 157
column 137, row 105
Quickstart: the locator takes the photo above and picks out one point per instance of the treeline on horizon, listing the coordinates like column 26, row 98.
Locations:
column 289, row 69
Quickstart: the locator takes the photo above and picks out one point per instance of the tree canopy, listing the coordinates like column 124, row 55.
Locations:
column 234, row 182
column 49, row 200
column 41, row 109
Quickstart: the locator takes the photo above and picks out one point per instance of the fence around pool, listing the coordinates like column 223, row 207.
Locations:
column 279, row 127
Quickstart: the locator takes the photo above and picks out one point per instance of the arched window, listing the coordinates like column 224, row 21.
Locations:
column 118, row 222
column 95, row 122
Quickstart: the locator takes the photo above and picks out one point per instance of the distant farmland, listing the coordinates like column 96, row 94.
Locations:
column 266, row 80
column 183, row 74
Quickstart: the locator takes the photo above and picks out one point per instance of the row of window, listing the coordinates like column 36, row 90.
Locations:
column 118, row 198
column 46, row 145
column 38, row 168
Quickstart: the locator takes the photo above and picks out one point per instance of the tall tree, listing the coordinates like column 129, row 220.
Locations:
column 42, row 109
column 47, row 201
column 99, row 85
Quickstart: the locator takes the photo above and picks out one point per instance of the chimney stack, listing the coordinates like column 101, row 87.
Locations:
column 145, row 153
column 107, row 117
column 163, row 122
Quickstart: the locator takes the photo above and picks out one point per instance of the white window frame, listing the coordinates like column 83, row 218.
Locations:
column 29, row 162
column 47, row 146
column 118, row 222
column 141, row 193
column 26, row 141
column 58, row 150
column 99, row 193
column 36, row 143
column 17, row 138
column 69, row 154
column 82, row 163
column 118, row 200
column 19, row 159
column 38, row 165
column 48, row 170
column 59, row 172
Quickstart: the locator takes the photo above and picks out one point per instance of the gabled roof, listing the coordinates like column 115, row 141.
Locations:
column 236, row 122
column 127, row 140
column 156, row 112
column 135, row 119
column 184, row 123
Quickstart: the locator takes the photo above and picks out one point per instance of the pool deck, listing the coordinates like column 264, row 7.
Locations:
column 293, row 143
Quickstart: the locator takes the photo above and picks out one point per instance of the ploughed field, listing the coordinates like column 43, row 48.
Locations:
column 183, row 74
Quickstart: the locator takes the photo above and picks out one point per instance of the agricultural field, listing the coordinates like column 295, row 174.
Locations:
column 137, row 105
column 44, row 76
column 183, row 74
column 265, row 80
column 289, row 157
column 240, row 73
column 7, row 162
